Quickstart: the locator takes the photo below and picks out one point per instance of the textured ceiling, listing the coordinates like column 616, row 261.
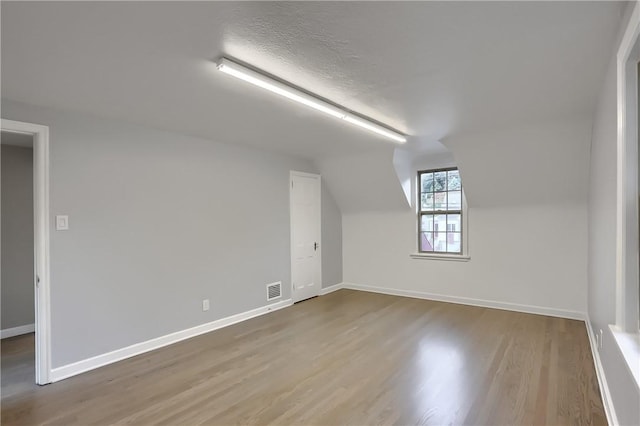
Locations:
column 432, row 69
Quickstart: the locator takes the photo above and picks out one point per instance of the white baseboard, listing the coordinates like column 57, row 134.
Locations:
column 330, row 289
column 88, row 364
column 76, row 368
column 17, row 331
column 607, row 401
column 529, row 309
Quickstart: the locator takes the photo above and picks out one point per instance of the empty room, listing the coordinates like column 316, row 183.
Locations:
column 320, row 213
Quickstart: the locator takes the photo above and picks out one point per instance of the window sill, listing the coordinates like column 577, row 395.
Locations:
column 435, row 256
column 629, row 344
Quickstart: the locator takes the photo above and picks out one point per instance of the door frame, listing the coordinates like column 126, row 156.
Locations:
column 293, row 173
column 42, row 300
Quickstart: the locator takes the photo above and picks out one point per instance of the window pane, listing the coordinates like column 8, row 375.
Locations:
column 426, row 241
column 440, row 181
column 440, row 200
column 453, row 242
column 440, row 224
column 455, row 200
column 440, row 241
column 427, row 182
column 427, row 223
column 427, row 201
column 453, row 180
column 453, row 223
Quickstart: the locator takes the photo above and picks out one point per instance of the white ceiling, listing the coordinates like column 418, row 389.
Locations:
column 432, row 69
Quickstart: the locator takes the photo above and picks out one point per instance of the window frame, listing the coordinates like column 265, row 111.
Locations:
column 434, row 212
column 626, row 330
column 627, row 182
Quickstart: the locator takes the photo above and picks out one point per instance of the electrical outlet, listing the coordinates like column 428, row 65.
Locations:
column 205, row 305
column 598, row 341
column 600, row 338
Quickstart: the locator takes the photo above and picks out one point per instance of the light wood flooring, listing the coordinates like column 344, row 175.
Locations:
column 346, row 358
column 18, row 364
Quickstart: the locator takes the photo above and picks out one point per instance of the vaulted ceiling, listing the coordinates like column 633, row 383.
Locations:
column 432, row 69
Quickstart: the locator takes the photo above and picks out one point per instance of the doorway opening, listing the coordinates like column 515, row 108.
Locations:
column 24, row 233
column 17, row 321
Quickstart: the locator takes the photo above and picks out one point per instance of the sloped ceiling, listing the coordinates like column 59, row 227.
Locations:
column 435, row 70
column 364, row 182
column 536, row 163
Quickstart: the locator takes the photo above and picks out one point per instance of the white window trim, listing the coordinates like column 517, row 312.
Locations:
column 626, row 330
column 438, row 256
column 462, row 257
column 629, row 344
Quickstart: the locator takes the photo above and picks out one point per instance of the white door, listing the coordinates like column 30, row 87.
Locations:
column 305, row 235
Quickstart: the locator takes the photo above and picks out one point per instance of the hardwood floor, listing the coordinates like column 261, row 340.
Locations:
column 346, row 358
column 18, row 364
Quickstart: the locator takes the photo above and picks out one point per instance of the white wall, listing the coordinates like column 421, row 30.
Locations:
column 533, row 256
column 17, row 236
column 158, row 222
column 526, row 188
column 602, row 251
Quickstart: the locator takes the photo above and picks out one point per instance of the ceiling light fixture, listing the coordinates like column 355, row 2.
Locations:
column 261, row 80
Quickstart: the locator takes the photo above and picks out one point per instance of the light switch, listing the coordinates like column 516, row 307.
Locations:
column 62, row 223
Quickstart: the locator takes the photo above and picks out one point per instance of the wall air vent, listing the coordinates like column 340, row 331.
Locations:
column 274, row 290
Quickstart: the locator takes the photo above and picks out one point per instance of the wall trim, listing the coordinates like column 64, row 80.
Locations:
column 529, row 309
column 331, row 289
column 92, row 363
column 17, row 331
column 605, row 394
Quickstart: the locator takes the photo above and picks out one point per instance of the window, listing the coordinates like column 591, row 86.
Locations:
column 440, row 211
column 626, row 331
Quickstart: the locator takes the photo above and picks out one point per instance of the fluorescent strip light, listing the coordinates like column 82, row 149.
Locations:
column 278, row 88
column 375, row 128
column 261, row 80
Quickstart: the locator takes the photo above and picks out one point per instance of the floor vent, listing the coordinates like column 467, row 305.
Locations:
column 274, row 290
